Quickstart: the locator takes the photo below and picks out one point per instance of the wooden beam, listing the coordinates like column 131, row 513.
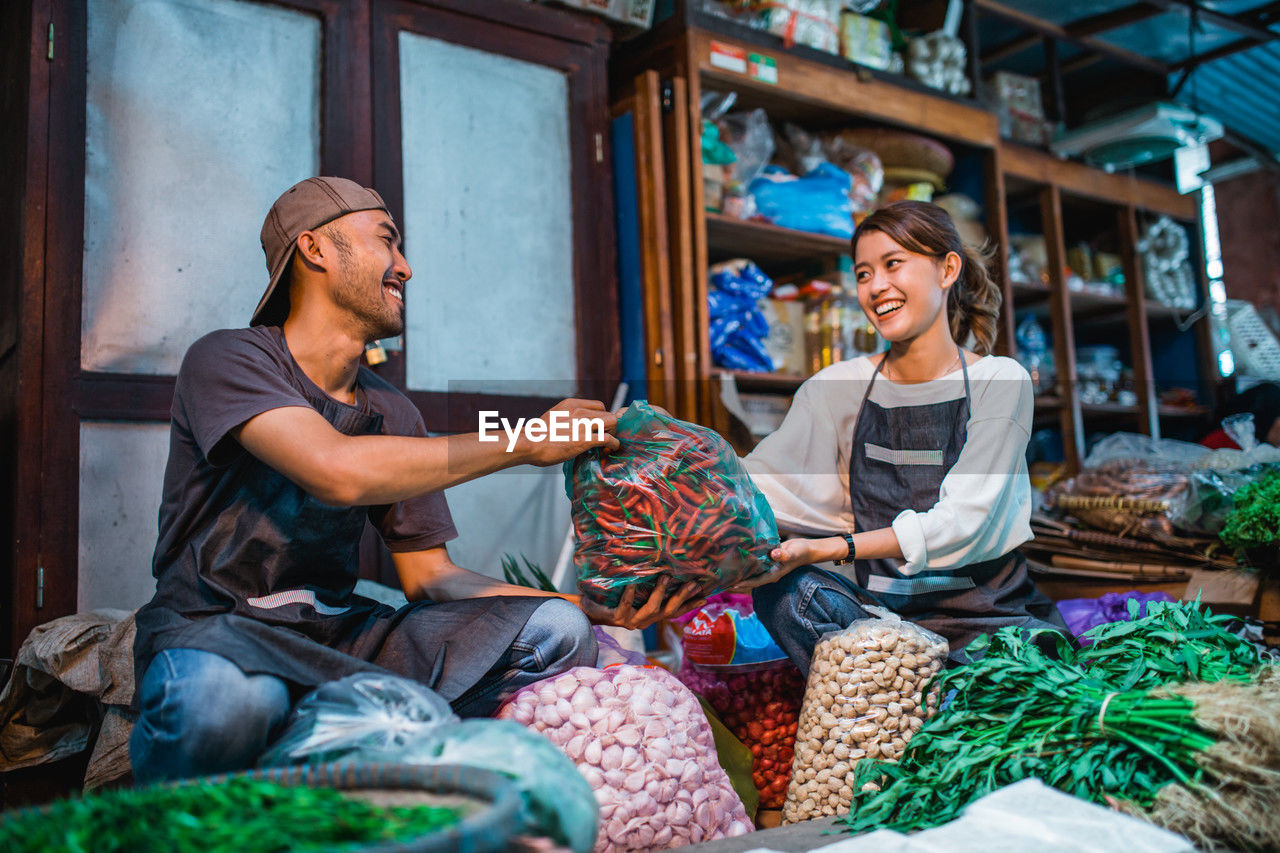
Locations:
column 1071, row 418
column 1010, row 48
column 1112, row 20
column 1087, row 42
column 1139, row 332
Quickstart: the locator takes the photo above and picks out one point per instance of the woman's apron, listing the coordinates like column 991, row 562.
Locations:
column 899, row 458
column 268, row 584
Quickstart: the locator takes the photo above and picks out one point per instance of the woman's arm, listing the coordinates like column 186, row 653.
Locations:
column 869, row 545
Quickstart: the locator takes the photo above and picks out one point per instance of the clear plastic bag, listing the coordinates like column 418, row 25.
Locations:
column 385, row 718
column 751, row 138
column 364, row 712
column 730, row 660
column 674, row 501
column 642, row 742
column 868, row 692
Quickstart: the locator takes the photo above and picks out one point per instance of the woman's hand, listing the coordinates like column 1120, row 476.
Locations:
column 802, row 552
column 667, row 601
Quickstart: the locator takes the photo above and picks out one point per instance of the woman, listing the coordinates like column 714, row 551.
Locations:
column 908, row 464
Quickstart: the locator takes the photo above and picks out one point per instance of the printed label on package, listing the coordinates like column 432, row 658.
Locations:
column 762, row 68
column 728, row 57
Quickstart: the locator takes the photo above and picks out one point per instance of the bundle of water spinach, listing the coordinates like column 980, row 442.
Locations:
column 1169, row 717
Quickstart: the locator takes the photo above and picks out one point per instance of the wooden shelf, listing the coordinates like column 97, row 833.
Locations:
column 1047, row 402
column 1158, row 310
column 1184, row 411
column 1108, row 409
column 748, row 380
column 728, row 236
column 1091, row 303
column 1027, row 293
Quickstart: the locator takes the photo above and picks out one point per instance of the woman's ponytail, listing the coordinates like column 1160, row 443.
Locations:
column 975, row 301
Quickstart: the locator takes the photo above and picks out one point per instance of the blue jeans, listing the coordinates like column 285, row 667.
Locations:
column 805, row 604
column 200, row 714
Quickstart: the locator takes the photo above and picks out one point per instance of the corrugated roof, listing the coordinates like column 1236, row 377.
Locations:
column 1243, row 92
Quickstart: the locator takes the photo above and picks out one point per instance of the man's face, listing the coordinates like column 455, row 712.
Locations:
column 371, row 271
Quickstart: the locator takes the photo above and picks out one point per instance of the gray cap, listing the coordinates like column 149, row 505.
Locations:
column 305, row 206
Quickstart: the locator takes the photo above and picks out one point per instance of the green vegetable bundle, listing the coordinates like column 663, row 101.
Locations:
column 241, row 815
column 1110, row 724
column 1252, row 527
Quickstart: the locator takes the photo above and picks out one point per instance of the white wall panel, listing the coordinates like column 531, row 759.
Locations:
column 121, row 481
column 200, row 113
column 488, row 221
column 520, row 511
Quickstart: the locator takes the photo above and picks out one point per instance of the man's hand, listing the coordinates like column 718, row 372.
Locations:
column 578, row 421
column 664, row 602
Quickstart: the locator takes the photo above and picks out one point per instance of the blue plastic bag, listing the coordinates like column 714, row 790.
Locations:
column 818, row 202
column 737, row 327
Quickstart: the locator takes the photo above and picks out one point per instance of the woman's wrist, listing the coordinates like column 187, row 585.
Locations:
column 834, row 548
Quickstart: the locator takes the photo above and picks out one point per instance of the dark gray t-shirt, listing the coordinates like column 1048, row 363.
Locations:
column 252, row 568
column 230, row 376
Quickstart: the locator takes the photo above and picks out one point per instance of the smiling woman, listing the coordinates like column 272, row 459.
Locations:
column 921, row 476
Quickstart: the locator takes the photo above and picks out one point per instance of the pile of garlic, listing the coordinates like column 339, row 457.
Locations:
column 641, row 740
column 865, row 698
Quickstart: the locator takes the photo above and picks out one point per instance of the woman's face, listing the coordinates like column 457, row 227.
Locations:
column 903, row 294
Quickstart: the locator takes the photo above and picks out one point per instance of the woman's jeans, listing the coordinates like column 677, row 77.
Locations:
column 200, row 714
column 805, row 604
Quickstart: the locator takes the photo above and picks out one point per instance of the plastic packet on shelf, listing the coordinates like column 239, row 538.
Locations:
column 673, row 500
column 868, row 692
column 737, row 327
column 817, row 202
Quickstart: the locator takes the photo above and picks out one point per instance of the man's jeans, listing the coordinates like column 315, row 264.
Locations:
column 199, row 714
column 805, row 604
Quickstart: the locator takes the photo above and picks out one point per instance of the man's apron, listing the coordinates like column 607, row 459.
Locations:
column 898, row 460
column 268, row 585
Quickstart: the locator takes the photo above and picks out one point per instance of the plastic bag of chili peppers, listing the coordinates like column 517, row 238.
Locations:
column 673, row 500
column 752, row 687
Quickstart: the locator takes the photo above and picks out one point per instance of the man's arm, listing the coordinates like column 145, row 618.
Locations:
column 368, row 470
column 431, row 574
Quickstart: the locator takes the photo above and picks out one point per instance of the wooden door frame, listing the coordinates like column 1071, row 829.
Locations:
column 579, row 48
column 55, row 395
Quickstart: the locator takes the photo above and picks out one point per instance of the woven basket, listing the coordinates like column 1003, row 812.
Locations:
column 491, row 802
column 900, row 150
column 485, row 829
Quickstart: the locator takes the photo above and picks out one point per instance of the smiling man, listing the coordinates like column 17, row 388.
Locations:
column 281, row 447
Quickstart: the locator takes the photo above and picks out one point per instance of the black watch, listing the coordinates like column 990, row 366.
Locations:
column 848, row 540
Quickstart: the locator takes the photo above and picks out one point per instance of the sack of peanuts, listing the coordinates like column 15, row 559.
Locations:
column 640, row 739
column 868, row 692
column 731, row 661
column 673, row 500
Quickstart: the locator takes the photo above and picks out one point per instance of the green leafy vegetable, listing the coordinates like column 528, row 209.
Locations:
column 240, row 815
column 1254, row 520
column 513, row 574
column 1100, row 723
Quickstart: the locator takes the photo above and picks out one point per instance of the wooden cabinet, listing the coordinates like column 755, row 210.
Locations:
column 1070, row 204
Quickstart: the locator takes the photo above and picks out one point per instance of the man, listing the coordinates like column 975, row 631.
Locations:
column 281, row 447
